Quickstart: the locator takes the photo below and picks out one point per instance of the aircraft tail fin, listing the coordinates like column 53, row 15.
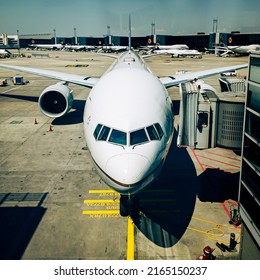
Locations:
column 129, row 34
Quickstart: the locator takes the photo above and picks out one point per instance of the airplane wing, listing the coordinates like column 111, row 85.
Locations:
column 108, row 55
column 71, row 78
column 87, row 81
column 171, row 81
column 150, row 55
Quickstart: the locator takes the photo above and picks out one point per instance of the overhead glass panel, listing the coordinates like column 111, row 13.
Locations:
column 138, row 137
column 103, row 133
column 117, row 137
column 153, row 135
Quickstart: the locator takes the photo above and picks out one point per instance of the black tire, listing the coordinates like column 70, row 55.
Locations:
column 124, row 212
column 134, row 210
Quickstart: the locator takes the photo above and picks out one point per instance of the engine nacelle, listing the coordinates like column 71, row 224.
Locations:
column 56, row 100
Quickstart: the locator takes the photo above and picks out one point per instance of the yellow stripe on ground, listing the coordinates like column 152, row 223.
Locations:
column 130, row 239
column 100, row 212
column 102, row 191
column 106, row 201
column 211, row 235
column 214, row 223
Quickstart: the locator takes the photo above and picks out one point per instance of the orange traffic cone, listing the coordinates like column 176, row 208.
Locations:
column 50, row 129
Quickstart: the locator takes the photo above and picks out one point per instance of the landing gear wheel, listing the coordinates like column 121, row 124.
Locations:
column 129, row 205
column 123, row 206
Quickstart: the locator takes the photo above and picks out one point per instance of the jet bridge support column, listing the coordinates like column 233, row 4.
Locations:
column 188, row 115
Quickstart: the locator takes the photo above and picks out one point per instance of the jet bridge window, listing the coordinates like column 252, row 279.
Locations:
column 138, row 137
column 117, row 137
column 203, row 119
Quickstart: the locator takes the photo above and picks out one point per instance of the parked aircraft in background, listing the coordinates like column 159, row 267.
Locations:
column 110, row 49
column 5, row 53
column 168, row 47
column 237, row 50
column 46, row 46
column 77, row 48
column 128, row 119
column 180, row 53
column 74, row 48
column 177, row 50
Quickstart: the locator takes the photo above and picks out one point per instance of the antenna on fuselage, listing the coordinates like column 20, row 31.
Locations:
column 129, row 34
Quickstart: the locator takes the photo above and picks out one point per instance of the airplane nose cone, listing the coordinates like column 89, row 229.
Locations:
column 127, row 168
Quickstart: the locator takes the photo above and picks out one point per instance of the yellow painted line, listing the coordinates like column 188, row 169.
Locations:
column 130, row 239
column 102, row 191
column 205, row 221
column 100, row 212
column 208, row 232
column 105, row 201
column 213, row 236
column 213, row 233
column 216, row 224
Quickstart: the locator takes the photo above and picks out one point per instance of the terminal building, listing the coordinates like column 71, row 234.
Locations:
column 9, row 41
column 199, row 41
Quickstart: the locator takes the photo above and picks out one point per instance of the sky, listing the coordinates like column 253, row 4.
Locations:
column 91, row 17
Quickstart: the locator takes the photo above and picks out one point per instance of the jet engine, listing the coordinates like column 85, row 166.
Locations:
column 56, row 100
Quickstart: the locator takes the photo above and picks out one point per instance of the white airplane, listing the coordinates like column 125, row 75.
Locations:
column 180, row 53
column 128, row 119
column 239, row 50
column 5, row 53
column 79, row 48
column 109, row 49
column 47, row 46
column 168, row 47
column 177, row 50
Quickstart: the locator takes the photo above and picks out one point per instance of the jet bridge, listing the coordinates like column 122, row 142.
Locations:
column 232, row 84
column 209, row 119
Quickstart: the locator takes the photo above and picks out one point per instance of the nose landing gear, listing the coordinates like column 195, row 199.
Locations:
column 129, row 206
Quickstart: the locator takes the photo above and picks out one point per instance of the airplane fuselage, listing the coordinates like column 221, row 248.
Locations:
column 47, row 46
column 128, row 124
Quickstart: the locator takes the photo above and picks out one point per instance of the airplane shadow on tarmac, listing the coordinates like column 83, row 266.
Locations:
column 167, row 205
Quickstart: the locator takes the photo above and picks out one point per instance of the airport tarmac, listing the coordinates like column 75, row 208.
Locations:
column 53, row 205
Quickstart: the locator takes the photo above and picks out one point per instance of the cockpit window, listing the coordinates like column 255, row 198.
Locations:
column 152, row 132
column 103, row 133
column 159, row 129
column 96, row 132
column 117, row 137
column 138, row 137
